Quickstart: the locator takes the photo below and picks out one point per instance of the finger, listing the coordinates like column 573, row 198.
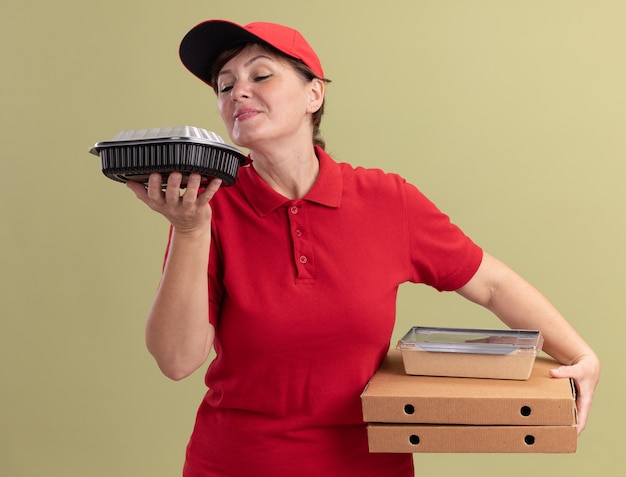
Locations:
column 584, row 396
column 155, row 192
column 583, row 406
column 211, row 189
column 191, row 192
column 172, row 192
column 561, row 372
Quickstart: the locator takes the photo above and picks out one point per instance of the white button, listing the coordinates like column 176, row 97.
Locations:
column 294, row 210
column 303, row 259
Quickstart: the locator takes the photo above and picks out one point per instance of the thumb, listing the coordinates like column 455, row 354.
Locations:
column 561, row 372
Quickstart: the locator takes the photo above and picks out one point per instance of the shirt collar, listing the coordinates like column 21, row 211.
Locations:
column 264, row 200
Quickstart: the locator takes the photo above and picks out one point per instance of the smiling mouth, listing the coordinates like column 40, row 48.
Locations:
column 242, row 115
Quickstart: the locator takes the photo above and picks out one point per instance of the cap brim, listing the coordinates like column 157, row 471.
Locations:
column 205, row 42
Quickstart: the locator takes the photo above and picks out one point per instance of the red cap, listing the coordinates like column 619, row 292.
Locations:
column 205, row 42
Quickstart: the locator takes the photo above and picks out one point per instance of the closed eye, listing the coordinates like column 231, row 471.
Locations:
column 227, row 87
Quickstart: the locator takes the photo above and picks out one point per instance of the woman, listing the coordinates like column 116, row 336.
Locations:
column 304, row 258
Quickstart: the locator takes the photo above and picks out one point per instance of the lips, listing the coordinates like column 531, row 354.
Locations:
column 246, row 113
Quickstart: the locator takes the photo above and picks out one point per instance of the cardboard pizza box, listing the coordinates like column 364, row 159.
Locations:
column 423, row 438
column 394, row 396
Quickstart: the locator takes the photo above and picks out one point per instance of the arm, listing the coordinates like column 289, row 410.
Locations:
column 178, row 332
column 520, row 306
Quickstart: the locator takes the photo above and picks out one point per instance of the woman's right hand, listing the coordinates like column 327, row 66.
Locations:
column 187, row 212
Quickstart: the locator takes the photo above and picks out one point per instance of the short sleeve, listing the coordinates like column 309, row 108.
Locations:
column 441, row 255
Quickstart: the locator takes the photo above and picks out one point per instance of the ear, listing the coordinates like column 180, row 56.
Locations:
column 316, row 96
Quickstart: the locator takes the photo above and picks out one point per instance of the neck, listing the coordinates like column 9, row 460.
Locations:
column 290, row 172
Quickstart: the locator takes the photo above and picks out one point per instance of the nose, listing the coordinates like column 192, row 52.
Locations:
column 240, row 90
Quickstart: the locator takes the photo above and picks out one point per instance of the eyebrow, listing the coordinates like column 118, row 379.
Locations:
column 246, row 64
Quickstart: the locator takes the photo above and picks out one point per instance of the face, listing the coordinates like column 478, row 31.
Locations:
column 264, row 101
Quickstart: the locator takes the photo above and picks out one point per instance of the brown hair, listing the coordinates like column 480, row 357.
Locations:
column 299, row 66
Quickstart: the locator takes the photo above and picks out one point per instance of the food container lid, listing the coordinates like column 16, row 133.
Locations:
column 170, row 134
column 470, row 340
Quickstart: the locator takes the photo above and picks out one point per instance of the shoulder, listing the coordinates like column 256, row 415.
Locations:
column 370, row 177
column 384, row 187
column 380, row 184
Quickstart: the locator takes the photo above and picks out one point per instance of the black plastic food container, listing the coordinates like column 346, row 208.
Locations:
column 132, row 155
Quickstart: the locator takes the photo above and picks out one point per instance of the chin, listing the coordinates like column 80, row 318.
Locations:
column 243, row 140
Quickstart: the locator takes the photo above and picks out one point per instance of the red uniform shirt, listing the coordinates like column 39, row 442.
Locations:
column 303, row 299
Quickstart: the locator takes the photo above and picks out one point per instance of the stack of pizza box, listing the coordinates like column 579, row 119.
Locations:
column 436, row 401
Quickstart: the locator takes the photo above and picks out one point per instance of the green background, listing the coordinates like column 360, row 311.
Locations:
column 509, row 115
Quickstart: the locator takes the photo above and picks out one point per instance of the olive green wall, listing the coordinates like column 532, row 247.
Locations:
column 510, row 115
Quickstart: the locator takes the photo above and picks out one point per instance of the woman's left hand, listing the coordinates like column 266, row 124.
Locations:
column 586, row 374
